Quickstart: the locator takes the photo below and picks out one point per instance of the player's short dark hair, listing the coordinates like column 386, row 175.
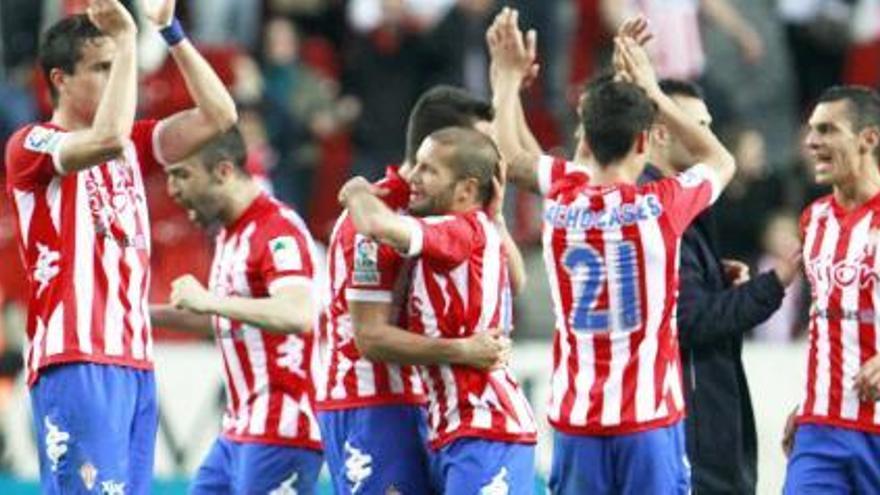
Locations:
column 613, row 114
column 679, row 87
column 439, row 107
column 474, row 156
column 863, row 105
column 226, row 147
column 62, row 44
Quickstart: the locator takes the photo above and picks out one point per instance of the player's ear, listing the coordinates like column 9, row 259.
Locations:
column 57, row 78
column 869, row 139
column 224, row 170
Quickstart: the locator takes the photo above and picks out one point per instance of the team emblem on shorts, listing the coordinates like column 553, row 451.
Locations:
column 358, row 466
column 111, row 487
column 366, row 261
column 89, row 474
column 56, row 442
column 498, row 485
column 286, row 487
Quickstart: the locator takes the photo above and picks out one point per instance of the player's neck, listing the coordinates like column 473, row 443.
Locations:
column 855, row 193
column 240, row 199
column 626, row 171
column 66, row 119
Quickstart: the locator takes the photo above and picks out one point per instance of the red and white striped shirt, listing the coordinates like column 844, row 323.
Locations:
column 611, row 253
column 360, row 269
column 460, row 287
column 85, row 242
column 840, row 258
column 267, row 375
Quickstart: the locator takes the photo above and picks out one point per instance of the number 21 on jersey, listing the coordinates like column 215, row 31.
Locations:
column 616, row 276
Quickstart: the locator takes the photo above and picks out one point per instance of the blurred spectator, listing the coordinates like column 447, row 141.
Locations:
column 677, row 49
column 458, row 46
column 301, row 107
column 747, row 201
column 366, row 15
column 818, row 34
column 384, row 70
column 758, row 96
column 227, row 21
column 779, row 239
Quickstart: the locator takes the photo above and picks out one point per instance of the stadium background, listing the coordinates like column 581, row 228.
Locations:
column 324, row 87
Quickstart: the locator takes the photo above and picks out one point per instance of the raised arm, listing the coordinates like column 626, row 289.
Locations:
column 513, row 58
column 288, row 309
column 372, row 218
column 379, row 340
column 114, row 117
column 185, row 132
column 699, row 140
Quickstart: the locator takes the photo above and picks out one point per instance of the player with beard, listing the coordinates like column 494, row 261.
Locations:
column 261, row 306
column 482, row 432
column 372, row 391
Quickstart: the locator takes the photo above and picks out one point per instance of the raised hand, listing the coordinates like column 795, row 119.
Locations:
column 159, row 12
column 357, row 185
column 635, row 65
column 111, row 18
column 637, row 29
column 511, row 52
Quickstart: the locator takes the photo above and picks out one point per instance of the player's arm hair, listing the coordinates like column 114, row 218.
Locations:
column 171, row 318
column 378, row 340
column 515, row 141
column 114, row 117
column 372, row 218
column 185, row 132
column 516, row 266
column 699, row 140
column 289, row 309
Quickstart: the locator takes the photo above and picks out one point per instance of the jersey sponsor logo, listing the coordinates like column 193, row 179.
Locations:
column 358, row 466
column 583, row 218
column 824, row 272
column 46, row 266
column 56, row 442
column 285, row 253
column 498, row 485
column 43, row 140
column 88, row 473
column 366, row 261
column 286, row 487
column 290, row 355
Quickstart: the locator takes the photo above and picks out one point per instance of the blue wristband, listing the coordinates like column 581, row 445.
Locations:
column 173, row 33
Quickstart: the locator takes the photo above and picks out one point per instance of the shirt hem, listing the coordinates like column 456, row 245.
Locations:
column 284, row 442
column 145, row 365
column 446, row 439
column 340, row 404
column 605, row 430
column 838, row 422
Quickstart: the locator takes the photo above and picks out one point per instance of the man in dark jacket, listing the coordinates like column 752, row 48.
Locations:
column 717, row 304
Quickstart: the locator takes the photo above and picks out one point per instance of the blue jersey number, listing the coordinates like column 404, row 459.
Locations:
column 589, row 273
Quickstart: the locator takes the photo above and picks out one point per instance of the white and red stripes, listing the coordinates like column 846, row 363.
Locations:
column 840, row 257
column 459, row 284
column 85, row 241
column 268, row 381
column 362, row 270
column 611, row 253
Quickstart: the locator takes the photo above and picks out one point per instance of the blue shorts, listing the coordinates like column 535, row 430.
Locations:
column 472, row 466
column 241, row 468
column 96, row 428
column 376, row 449
column 831, row 460
column 653, row 461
